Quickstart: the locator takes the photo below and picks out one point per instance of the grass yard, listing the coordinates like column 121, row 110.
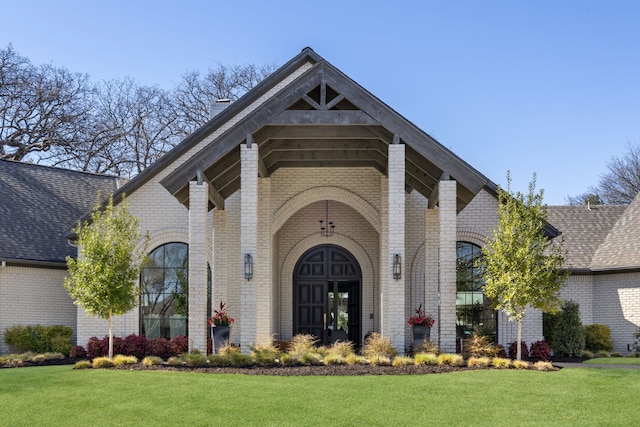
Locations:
column 60, row 396
column 614, row 361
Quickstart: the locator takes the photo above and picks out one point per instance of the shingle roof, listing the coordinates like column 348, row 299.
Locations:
column 38, row 203
column 583, row 229
column 621, row 248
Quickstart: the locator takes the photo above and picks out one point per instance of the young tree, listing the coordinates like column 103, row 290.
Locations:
column 521, row 267
column 102, row 279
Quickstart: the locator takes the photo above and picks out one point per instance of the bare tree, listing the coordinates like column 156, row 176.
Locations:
column 197, row 99
column 116, row 127
column 130, row 128
column 40, row 107
column 619, row 185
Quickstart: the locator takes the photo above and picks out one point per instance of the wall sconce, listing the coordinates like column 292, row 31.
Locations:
column 397, row 267
column 248, row 266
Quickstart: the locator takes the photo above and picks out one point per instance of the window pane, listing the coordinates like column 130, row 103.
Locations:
column 164, row 292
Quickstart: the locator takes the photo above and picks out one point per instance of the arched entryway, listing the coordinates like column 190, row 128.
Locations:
column 327, row 295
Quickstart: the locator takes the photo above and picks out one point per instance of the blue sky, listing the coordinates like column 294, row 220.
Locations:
column 551, row 87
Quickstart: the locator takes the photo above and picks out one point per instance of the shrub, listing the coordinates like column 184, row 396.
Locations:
column 46, row 356
column 540, row 350
column 174, row 361
column 195, row 359
column 513, row 349
column 122, row 360
column 478, row 346
column 39, row 339
column 598, row 337
column 242, row 360
column 342, row 348
column 289, row 359
column 500, row 351
column 117, row 345
column 179, row 345
column 448, row 359
column 501, row 362
column 377, row 346
column 310, row 359
column 265, row 355
column 151, row 361
column 616, row 354
column 521, row 364
column 403, row 361
column 603, row 353
column 228, row 349
column 93, row 348
column 548, row 327
column 83, row 364
column 587, row 354
column 134, row 345
column 354, row 359
column 430, row 347
column 543, row 366
column 381, row 361
column 157, row 347
column 219, row 360
column 334, row 359
column 77, row 352
column 569, row 334
column 478, row 362
column 302, row 343
column 102, row 362
column 426, row 359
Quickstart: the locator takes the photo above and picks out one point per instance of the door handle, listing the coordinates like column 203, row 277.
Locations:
column 325, row 320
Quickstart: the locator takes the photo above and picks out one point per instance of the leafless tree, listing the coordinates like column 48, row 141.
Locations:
column 619, row 185
column 198, row 98
column 40, row 107
column 52, row 116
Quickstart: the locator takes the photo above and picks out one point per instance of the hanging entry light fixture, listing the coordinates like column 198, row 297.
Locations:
column 327, row 228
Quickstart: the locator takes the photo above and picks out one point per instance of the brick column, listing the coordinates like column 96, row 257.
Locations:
column 448, row 230
column 220, row 251
column 394, row 319
column 198, row 256
column 248, row 242
column 264, row 268
column 431, row 272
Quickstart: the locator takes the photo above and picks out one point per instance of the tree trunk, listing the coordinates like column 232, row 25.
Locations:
column 111, row 336
column 519, row 342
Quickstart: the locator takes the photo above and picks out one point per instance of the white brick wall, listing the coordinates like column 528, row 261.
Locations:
column 30, row 296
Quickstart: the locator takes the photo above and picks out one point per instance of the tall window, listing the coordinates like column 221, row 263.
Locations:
column 473, row 310
column 164, row 292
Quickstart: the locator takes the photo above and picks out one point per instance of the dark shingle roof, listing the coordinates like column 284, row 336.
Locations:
column 621, row 248
column 583, row 229
column 38, row 203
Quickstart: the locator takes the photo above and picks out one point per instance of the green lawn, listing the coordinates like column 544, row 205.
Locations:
column 614, row 361
column 60, row 396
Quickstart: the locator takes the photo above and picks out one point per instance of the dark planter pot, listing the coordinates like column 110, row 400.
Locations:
column 220, row 336
column 420, row 334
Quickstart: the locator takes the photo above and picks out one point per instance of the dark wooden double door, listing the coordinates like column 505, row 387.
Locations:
column 326, row 295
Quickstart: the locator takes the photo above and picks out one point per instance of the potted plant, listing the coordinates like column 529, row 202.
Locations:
column 220, row 324
column 421, row 324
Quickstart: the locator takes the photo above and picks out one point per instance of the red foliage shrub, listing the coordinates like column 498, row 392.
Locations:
column 94, row 349
column 179, row 345
column 78, row 352
column 117, row 345
column 513, row 349
column 501, row 352
column 158, row 347
column 540, row 350
column 134, row 345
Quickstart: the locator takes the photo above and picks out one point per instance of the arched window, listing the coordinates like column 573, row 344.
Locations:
column 473, row 309
column 164, row 292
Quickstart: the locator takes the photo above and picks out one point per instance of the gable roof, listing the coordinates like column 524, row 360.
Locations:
column 320, row 119
column 621, row 248
column 584, row 229
column 38, row 204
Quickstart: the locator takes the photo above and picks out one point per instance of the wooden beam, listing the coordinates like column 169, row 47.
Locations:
column 323, row 117
column 214, row 197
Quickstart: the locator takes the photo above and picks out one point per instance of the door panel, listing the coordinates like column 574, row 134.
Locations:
column 326, row 295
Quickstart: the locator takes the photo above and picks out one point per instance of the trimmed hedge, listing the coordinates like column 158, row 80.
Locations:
column 598, row 337
column 39, row 339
